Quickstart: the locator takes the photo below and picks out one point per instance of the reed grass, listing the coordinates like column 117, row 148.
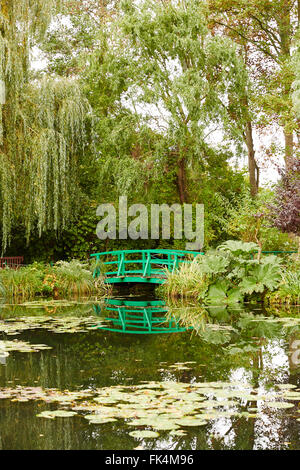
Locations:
column 23, row 283
column 288, row 291
column 189, row 281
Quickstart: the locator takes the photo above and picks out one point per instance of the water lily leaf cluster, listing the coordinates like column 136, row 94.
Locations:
column 74, row 324
column 21, row 346
column 153, row 407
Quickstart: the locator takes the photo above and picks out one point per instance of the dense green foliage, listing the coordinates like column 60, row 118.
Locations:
column 234, row 273
column 42, row 128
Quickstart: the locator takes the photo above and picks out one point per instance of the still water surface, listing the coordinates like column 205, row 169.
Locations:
column 230, row 356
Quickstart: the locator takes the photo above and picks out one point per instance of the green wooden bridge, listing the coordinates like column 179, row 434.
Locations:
column 150, row 266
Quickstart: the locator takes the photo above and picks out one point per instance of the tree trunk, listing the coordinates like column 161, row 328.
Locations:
column 289, row 143
column 181, row 181
column 285, row 34
column 252, row 166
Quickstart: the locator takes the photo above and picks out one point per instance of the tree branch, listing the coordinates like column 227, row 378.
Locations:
column 249, row 40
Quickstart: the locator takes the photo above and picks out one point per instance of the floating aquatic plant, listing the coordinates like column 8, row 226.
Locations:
column 64, row 324
column 56, row 414
column 144, row 434
column 20, row 346
column 162, row 406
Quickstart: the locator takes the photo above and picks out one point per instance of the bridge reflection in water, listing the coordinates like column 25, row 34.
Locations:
column 136, row 317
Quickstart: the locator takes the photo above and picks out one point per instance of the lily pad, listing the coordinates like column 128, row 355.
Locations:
column 292, row 395
column 56, row 414
column 191, row 421
column 178, row 432
column 286, row 386
column 164, row 425
column 98, row 419
column 280, row 404
column 144, row 434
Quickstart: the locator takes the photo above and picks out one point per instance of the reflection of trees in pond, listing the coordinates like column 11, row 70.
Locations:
column 294, row 351
column 290, row 312
column 225, row 338
column 237, row 329
column 46, row 308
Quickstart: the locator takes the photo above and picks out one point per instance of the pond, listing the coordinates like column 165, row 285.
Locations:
column 130, row 373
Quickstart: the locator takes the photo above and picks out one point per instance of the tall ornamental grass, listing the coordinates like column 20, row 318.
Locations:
column 73, row 277
column 188, row 281
column 289, row 290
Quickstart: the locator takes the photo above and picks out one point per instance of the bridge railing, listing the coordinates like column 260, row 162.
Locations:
column 146, row 263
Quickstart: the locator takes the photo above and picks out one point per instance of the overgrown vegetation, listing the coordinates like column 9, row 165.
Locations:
column 64, row 279
column 132, row 100
column 236, row 272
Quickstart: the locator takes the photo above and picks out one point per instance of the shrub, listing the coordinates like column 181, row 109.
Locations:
column 242, row 224
column 226, row 275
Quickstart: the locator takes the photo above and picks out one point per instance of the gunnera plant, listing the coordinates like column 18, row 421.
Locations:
column 227, row 275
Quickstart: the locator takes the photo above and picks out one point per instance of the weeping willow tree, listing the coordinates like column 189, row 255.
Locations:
column 42, row 127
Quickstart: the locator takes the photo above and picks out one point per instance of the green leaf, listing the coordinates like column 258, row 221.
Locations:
column 213, row 263
column 222, row 292
column 238, row 247
column 262, row 276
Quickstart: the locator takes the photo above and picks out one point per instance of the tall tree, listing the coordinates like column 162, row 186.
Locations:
column 42, row 126
column 160, row 59
column 268, row 29
column 74, row 36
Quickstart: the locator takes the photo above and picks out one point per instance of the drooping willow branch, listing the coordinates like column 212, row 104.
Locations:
column 42, row 127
